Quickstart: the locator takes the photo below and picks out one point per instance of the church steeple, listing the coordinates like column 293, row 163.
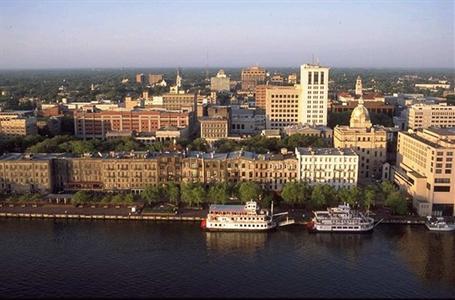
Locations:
column 358, row 86
column 178, row 80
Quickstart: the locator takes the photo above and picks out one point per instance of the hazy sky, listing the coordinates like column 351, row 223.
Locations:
column 61, row 34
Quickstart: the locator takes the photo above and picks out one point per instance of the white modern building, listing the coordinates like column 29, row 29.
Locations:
column 332, row 166
column 314, row 87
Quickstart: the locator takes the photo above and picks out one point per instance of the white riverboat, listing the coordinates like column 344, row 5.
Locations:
column 246, row 217
column 340, row 219
column 439, row 224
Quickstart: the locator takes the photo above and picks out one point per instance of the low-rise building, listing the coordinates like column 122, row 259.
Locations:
column 27, row 173
column 17, row 124
column 95, row 123
column 307, row 130
column 332, row 166
column 246, row 120
column 214, row 128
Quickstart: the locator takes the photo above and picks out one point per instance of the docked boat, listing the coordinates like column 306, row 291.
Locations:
column 340, row 219
column 246, row 217
column 438, row 224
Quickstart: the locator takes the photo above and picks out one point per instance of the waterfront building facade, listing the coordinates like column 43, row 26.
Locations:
column 332, row 166
column 26, row 173
column 117, row 171
column 425, row 169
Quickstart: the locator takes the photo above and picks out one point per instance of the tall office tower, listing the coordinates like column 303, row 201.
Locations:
column 314, row 84
column 358, row 86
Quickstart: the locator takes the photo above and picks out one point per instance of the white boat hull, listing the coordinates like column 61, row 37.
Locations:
column 435, row 228
column 225, row 226
column 334, row 228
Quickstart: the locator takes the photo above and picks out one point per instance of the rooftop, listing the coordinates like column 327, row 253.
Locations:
column 325, row 151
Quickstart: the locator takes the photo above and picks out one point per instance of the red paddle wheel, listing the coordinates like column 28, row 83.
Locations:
column 203, row 224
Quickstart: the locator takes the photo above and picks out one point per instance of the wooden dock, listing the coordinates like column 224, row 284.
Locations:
column 101, row 217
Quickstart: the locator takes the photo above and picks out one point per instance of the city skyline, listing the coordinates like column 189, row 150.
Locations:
column 107, row 34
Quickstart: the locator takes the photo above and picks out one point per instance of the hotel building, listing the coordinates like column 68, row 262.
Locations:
column 335, row 167
column 425, row 169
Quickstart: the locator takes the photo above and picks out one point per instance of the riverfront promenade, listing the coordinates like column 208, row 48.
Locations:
column 124, row 213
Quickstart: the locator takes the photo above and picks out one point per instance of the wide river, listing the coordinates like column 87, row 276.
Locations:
column 41, row 258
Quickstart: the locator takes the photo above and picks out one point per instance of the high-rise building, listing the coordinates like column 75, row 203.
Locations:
column 427, row 115
column 251, row 77
column 368, row 141
column 282, row 106
column 221, row 82
column 425, row 169
column 314, row 87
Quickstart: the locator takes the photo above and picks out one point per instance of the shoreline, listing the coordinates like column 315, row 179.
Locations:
column 171, row 218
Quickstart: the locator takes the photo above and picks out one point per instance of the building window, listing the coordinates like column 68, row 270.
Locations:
column 441, row 188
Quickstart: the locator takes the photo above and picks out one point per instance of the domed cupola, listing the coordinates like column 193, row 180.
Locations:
column 360, row 118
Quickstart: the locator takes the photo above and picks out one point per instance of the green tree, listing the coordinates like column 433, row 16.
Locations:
column 193, row 193
column 218, row 193
column 106, row 199
column 172, row 192
column 397, row 202
column 292, row 193
column 318, row 199
column 128, row 198
column 351, row 196
column 249, row 191
column 199, row 145
column 369, row 197
column 117, row 199
column 80, row 197
column 152, row 194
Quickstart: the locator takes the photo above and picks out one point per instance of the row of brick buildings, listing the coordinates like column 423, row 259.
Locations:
column 46, row 173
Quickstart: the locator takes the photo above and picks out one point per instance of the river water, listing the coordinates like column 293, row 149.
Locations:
column 41, row 258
